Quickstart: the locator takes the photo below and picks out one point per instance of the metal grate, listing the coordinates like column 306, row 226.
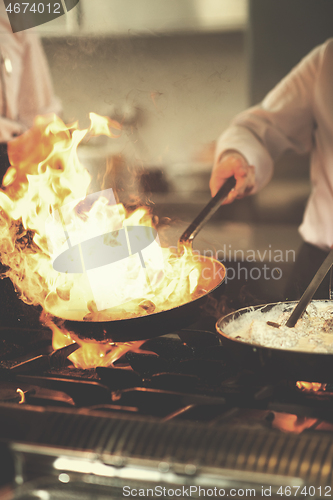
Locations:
column 308, row 455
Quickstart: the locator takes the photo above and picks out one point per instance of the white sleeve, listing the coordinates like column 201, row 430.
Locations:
column 283, row 121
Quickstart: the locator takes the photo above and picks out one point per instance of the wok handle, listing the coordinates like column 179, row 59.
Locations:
column 190, row 233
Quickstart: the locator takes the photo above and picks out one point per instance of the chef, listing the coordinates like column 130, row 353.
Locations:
column 25, row 87
column 296, row 115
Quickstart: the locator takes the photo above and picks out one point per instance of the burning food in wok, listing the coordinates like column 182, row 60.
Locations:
column 83, row 257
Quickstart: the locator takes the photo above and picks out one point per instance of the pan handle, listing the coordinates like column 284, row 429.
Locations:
column 190, row 233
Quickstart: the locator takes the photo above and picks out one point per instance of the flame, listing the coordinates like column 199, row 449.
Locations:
column 43, row 200
column 91, row 353
column 288, row 422
column 311, row 386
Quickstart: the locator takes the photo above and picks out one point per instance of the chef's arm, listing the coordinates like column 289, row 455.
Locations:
column 284, row 121
column 36, row 103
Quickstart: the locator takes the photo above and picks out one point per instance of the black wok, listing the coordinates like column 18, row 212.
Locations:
column 155, row 324
column 276, row 364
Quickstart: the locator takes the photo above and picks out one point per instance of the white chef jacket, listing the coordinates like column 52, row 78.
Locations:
column 296, row 115
column 25, row 84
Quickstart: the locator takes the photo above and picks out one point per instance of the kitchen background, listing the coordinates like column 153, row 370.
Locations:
column 176, row 72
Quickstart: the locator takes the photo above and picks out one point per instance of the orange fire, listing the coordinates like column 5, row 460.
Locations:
column 91, row 353
column 292, row 423
column 45, row 215
column 311, row 386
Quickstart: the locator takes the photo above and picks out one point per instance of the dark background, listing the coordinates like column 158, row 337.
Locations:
column 280, row 33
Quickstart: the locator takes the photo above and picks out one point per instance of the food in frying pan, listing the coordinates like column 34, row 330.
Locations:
column 313, row 332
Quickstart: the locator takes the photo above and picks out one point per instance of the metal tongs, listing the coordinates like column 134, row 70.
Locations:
column 309, row 292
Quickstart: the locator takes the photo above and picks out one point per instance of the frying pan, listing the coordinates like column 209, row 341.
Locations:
column 155, row 324
column 276, row 364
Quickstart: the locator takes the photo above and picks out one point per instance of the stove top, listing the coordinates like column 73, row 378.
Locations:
column 177, row 411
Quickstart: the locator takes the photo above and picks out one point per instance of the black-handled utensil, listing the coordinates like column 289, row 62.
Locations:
column 310, row 291
column 206, row 213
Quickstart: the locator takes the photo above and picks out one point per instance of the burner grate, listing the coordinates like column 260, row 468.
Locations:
column 308, row 455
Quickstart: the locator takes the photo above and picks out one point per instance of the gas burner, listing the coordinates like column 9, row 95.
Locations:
column 176, row 404
column 182, row 376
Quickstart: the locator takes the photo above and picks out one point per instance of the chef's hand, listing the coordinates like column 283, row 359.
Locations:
column 231, row 164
